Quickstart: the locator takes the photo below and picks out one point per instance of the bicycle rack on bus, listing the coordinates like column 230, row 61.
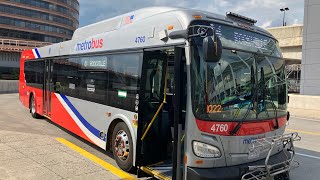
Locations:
column 269, row 171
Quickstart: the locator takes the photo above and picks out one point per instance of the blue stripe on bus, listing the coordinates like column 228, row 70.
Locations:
column 92, row 129
column 37, row 52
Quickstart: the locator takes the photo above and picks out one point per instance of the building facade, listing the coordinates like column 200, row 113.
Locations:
column 25, row 24
column 310, row 79
column 290, row 42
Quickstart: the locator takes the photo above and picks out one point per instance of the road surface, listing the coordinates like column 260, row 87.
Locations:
column 16, row 124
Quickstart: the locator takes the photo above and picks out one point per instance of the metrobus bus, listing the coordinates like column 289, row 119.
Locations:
column 173, row 93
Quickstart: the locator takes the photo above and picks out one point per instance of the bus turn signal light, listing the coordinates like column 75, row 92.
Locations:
column 199, row 162
column 135, row 122
column 197, row 16
column 170, row 27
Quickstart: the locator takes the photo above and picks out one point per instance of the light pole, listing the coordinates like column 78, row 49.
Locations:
column 284, row 15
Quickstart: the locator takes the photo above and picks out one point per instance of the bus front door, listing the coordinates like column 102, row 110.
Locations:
column 151, row 144
column 156, row 154
column 46, row 88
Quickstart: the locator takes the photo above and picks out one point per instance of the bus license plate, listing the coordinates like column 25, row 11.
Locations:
column 254, row 154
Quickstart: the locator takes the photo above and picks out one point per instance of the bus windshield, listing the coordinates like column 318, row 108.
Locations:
column 248, row 83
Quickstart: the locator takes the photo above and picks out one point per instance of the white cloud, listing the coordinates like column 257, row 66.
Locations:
column 264, row 11
column 266, row 24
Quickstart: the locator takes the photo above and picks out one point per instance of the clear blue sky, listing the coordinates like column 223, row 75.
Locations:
column 265, row 11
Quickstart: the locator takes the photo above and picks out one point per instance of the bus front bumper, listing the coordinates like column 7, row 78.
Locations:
column 232, row 172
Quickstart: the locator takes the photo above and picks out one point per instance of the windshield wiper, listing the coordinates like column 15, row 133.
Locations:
column 254, row 92
column 265, row 88
column 263, row 82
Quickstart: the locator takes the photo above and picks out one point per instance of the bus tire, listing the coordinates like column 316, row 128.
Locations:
column 33, row 107
column 122, row 147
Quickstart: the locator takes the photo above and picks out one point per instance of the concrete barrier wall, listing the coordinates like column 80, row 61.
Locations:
column 9, row 86
column 304, row 106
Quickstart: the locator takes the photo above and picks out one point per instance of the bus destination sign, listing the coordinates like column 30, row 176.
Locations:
column 88, row 63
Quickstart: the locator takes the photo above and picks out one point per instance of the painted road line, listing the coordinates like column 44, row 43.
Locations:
column 308, row 119
column 121, row 174
column 306, row 155
column 303, row 132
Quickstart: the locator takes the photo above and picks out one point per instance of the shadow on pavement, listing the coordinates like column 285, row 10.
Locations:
column 108, row 153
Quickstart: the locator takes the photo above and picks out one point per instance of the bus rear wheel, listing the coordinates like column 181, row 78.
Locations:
column 122, row 147
column 33, row 109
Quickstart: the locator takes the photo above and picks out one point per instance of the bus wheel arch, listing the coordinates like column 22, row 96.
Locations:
column 32, row 106
column 30, row 96
column 120, row 141
column 110, row 131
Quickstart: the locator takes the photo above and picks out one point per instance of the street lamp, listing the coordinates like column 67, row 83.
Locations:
column 284, row 15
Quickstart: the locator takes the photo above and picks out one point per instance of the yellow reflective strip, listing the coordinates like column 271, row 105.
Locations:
column 304, row 132
column 47, row 117
column 121, row 174
column 155, row 173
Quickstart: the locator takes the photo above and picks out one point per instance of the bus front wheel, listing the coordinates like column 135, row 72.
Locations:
column 33, row 109
column 122, row 147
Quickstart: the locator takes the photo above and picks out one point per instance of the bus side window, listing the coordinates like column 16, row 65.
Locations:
column 124, row 73
column 93, row 78
column 34, row 73
column 65, row 78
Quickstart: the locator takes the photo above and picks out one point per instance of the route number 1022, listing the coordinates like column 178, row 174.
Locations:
column 214, row 108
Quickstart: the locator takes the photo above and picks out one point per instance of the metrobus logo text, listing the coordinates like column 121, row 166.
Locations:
column 251, row 139
column 91, row 44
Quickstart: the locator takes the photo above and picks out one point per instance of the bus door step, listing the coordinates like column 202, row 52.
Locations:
column 162, row 170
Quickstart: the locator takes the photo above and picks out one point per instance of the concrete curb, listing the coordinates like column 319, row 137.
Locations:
column 305, row 113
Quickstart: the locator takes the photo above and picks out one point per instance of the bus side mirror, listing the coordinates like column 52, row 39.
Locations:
column 179, row 34
column 212, row 48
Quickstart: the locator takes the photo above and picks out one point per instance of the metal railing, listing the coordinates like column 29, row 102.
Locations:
column 13, row 45
column 293, row 76
column 268, row 171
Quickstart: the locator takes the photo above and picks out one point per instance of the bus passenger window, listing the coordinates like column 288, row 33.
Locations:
column 93, row 75
column 65, row 78
column 34, row 73
column 124, row 72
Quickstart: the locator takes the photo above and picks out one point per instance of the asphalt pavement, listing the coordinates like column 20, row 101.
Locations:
column 308, row 149
column 29, row 148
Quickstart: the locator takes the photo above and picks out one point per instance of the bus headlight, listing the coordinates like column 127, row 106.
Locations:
column 205, row 150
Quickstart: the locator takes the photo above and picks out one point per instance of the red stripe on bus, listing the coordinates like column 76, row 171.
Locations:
column 247, row 128
column 61, row 117
column 27, row 54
